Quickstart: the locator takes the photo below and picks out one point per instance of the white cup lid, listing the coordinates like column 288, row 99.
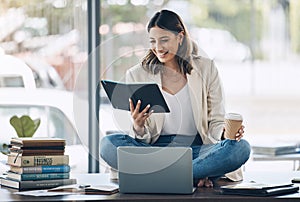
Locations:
column 234, row 116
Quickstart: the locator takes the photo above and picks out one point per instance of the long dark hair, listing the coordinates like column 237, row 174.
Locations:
column 170, row 21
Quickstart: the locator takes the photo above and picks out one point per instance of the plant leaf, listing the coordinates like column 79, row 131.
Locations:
column 17, row 125
column 28, row 126
column 25, row 126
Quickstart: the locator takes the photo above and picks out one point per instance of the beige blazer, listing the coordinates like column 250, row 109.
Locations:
column 207, row 101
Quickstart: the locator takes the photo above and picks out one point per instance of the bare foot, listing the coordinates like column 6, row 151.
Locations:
column 205, row 182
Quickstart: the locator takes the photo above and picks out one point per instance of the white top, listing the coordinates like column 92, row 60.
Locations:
column 180, row 120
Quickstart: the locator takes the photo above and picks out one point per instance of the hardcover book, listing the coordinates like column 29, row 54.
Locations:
column 36, row 151
column 37, row 184
column 37, row 176
column 23, row 161
column 41, row 169
column 258, row 189
column 37, row 142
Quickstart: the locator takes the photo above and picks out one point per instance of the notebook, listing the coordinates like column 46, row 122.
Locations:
column 259, row 189
column 149, row 93
column 162, row 170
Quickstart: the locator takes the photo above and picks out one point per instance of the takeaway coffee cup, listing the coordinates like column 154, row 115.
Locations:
column 233, row 122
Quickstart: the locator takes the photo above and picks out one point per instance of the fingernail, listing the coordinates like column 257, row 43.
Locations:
column 139, row 101
column 148, row 105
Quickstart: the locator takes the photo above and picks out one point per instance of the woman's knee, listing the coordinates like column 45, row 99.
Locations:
column 239, row 150
column 108, row 143
column 244, row 149
column 104, row 141
column 246, row 146
column 113, row 139
column 111, row 142
column 104, row 146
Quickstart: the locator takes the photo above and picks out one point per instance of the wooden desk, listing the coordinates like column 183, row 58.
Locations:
column 201, row 194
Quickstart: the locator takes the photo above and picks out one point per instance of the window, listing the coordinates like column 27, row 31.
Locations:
column 255, row 44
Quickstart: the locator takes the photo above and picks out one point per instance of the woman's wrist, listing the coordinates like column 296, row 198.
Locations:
column 139, row 130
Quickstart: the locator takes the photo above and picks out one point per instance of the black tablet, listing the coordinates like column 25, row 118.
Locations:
column 149, row 93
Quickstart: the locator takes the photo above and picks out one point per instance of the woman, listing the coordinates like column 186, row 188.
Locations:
column 193, row 91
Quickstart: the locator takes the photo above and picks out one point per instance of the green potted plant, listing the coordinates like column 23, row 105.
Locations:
column 24, row 127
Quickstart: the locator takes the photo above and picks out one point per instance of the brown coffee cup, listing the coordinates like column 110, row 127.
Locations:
column 233, row 122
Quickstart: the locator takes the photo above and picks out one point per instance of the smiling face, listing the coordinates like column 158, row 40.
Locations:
column 164, row 44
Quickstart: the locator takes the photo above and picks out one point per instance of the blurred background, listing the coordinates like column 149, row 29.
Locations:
column 255, row 44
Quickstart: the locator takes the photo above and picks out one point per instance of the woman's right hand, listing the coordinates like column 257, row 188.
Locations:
column 138, row 117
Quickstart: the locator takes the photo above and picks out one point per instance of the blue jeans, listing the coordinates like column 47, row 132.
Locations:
column 209, row 160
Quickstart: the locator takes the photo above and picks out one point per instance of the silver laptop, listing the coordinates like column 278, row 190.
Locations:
column 166, row 170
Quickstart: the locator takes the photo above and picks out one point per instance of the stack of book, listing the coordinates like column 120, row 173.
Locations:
column 274, row 149
column 37, row 163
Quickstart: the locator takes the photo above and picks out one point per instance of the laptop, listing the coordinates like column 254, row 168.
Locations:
column 160, row 170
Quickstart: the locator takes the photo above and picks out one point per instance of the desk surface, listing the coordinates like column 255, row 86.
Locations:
column 201, row 194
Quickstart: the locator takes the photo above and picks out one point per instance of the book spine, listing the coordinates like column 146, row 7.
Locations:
column 45, row 184
column 46, row 169
column 25, row 161
column 39, row 152
column 44, row 176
